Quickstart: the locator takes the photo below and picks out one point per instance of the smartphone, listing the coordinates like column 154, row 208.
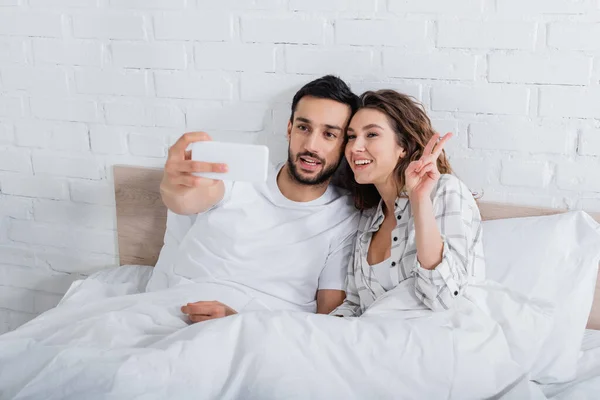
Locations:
column 245, row 162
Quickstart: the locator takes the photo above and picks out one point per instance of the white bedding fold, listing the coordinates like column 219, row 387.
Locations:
column 140, row 345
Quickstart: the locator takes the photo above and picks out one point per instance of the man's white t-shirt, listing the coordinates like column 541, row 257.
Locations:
column 276, row 250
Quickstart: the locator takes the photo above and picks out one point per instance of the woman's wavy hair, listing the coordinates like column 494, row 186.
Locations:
column 413, row 130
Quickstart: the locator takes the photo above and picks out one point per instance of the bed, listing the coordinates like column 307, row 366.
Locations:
column 110, row 338
column 141, row 220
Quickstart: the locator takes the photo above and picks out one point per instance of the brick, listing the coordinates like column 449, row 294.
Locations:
column 17, row 255
column 520, row 137
column 476, row 173
column 149, row 142
column 65, row 237
column 236, row 117
column 205, row 27
column 574, row 102
column 34, row 186
column 537, row 7
column 526, row 173
column 140, row 114
column 10, row 107
column 148, row 146
column 34, row 279
column 333, row 5
column 574, row 36
column 57, row 51
column 270, row 87
column 282, row 30
column 148, row 4
column 53, row 135
column 76, row 214
column 589, row 143
column 566, row 69
column 125, row 112
column 119, row 83
column 92, row 192
column 486, row 35
column 235, row 57
column 73, row 261
column 409, row 89
column 78, row 110
column 183, row 85
column 373, row 32
column 17, row 160
column 69, row 166
column 488, row 99
column 15, row 207
column 310, row 60
column 37, row 81
column 7, row 134
column 98, row 26
column 108, row 140
column 579, row 175
column 30, row 23
column 12, row 51
column 168, row 116
column 454, row 66
column 64, row 3
column 149, row 55
column 17, row 299
column 436, row 6
column 231, row 5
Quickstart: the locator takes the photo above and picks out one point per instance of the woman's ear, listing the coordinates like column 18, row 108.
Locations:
column 402, row 152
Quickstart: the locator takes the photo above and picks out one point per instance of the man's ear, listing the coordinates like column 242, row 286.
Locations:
column 289, row 129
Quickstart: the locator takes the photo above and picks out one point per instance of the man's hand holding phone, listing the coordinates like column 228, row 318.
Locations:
column 183, row 192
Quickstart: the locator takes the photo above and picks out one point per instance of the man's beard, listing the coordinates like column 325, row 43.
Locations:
column 321, row 178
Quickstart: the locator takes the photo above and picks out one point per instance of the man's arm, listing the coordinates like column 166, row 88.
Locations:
column 329, row 299
column 182, row 192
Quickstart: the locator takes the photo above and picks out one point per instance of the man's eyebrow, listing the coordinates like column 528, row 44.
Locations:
column 328, row 126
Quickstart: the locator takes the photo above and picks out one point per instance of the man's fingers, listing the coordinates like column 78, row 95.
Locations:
column 198, row 166
column 178, row 150
column 201, row 318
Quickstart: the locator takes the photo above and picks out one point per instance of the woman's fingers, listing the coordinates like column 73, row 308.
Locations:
column 430, row 168
column 429, row 147
column 440, row 145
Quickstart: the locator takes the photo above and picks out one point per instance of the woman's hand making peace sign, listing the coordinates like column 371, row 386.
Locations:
column 421, row 175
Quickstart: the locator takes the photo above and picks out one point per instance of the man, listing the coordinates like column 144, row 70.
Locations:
column 284, row 243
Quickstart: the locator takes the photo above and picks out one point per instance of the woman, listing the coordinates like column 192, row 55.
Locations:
column 417, row 220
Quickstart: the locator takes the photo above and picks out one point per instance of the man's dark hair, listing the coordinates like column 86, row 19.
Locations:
column 328, row 87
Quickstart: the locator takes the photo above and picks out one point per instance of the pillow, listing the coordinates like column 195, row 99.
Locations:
column 177, row 227
column 553, row 258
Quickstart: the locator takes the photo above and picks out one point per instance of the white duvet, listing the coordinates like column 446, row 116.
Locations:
column 140, row 346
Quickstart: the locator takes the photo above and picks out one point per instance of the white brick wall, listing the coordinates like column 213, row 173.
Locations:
column 85, row 84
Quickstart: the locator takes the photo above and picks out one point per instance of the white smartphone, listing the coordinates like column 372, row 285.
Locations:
column 245, row 162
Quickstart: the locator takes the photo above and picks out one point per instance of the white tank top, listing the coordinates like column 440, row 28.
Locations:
column 382, row 273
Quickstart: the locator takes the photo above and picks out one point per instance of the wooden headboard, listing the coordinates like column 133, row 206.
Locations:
column 142, row 217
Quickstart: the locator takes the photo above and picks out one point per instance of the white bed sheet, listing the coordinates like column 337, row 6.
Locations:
column 133, row 279
column 587, row 383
